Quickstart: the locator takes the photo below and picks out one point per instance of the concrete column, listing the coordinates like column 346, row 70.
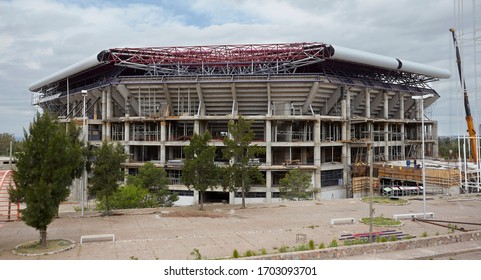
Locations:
column 344, row 132
column 268, row 186
column 196, row 198
column 368, row 103
column 403, row 138
column 347, row 145
column 401, row 106
column 268, row 137
column 317, row 156
column 231, row 198
column 104, row 114
column 435, row 148
column 197, row 127
column 163, row 138
column 386, row 142
column 127, row 138
column 109, row 113
column 109, row 103
column 386, row 105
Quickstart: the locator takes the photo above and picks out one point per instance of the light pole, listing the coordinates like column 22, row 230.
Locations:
column 423, row 170
column 84, row 140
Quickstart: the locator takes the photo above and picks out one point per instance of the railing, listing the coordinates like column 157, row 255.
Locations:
column 6, row 209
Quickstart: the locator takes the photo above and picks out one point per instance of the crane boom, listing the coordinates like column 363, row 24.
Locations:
column 467, row 109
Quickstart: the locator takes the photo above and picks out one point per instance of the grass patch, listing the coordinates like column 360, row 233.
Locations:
column 34, row 247
column 385, row 200
column 381, row 221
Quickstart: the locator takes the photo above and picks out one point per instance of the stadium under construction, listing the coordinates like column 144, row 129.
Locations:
column 314, row 106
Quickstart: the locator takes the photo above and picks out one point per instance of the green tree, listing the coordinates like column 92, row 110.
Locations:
column 154, row 180
column 241, row 172
column 47, row 162
column 5, row 139
column 199, row 169
column 107, row 171
column 295, row 184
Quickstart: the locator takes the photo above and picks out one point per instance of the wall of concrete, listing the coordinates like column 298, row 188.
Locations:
column 374, row 248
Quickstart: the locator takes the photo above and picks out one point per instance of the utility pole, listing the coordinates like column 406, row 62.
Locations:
column 371, row 192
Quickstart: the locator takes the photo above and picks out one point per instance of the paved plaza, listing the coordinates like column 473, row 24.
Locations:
column 174, row 233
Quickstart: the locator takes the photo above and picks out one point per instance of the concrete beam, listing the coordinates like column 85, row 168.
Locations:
column 356, row 102
column 310, row 97
column 125, row 92
column 168, row 100
column 377, row 101
column 393, row 102
column 201, row 108
column 333, row 100
column 235, row 104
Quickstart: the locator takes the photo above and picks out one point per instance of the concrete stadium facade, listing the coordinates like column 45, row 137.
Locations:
column 313, row 106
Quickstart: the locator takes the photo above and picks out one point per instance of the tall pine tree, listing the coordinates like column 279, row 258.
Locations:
column 47, row 162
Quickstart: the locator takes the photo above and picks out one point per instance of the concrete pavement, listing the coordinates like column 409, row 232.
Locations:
column 174, row 233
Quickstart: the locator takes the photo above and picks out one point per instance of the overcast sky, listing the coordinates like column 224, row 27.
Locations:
column 39, row 37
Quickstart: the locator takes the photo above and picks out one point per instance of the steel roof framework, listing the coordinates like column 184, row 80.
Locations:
column 225, row 59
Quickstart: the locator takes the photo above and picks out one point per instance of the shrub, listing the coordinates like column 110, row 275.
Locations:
column 284, row 249
column 356, row 241
column 333, row 243
column 263, row 251
column 235, row 254
column 196, row 254
column 249, row 253
column 311, row 245
column 302, row 247
column 322, row 245
column 129, row 197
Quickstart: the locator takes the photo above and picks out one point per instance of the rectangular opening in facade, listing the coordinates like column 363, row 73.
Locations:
column 95, row 132
column 331, row 131
column 218, row 129
column 292, row 131
column 293, row 155
column 180, row 130
column 145, row 131
column 174, row 175
column 359, row 131
column 117, row 131
column 331, row 154
column 141, row 153
column 331, row 178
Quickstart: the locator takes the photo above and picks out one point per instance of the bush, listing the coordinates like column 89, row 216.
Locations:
column 235, row 254
column 302, row 247
column 356, row 241
column 322, row 245
column 129, row 197
column 249, row 253
column 333, row 243
column 311, row 245
column 284, row 249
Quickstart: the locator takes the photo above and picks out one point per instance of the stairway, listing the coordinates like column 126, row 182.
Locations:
column 8, row 211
